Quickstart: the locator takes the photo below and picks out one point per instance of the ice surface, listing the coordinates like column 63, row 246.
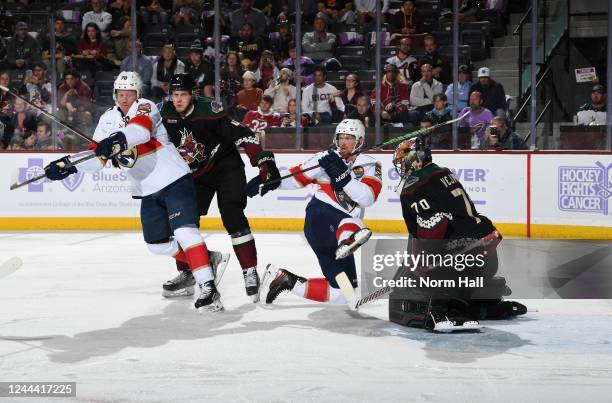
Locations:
column 87, row 307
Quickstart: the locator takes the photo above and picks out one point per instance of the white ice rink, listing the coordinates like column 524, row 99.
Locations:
column 87, row 307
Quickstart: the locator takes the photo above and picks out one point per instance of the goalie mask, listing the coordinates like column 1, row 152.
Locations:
column 353, row 127
column 408, row 153
column 127, row 80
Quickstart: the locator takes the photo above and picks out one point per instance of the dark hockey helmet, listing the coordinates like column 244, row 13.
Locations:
column 182, row 82
column 409, row 152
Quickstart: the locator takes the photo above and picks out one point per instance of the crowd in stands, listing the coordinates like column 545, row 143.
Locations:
column 258, row 68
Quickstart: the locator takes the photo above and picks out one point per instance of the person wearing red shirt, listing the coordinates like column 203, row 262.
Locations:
column 262, row 118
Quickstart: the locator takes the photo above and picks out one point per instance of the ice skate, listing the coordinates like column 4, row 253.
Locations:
column 447, row 323
column 251, row 283
column 209, row 299
column 352, row 243
column 277, row 281
column 183, row 284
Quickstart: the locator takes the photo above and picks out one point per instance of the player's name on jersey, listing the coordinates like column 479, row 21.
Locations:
column 426, row 282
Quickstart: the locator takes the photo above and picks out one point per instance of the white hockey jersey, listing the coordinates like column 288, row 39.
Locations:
column 361, row 192
column 152, row 161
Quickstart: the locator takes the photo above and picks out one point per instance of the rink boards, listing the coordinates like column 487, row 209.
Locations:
column 527, row 194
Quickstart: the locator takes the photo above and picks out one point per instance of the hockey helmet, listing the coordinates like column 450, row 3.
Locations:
column 354, row 127
column 409, row 152
column 127, row 80
column 182, row 82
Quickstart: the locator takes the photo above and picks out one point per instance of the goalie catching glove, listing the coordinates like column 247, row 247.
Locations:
column 267, row 172
column 336, row 169
column 56, row 170
column 111, row 146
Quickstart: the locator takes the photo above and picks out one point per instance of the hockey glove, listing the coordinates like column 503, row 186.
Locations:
column 252, row 187
column 56, row 170
column 111, row 146
column 267, row 171
column 336, row 169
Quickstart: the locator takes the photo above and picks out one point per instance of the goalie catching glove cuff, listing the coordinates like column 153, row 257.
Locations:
column 56, row 170
column 336, row 169
column 111, row 146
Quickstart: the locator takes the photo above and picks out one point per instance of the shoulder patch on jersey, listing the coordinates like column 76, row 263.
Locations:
column 358, row 171
column 216, row 106
column 144, row 109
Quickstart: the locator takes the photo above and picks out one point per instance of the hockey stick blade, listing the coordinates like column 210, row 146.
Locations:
column 10, row 266
column 39, row 177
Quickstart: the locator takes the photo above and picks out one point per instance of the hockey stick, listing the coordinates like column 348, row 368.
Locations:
column 39, row 177
column 373, row 148
column 50, row 116
column 10, row 266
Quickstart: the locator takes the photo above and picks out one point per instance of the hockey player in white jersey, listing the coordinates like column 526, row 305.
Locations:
column 345, row 185
column 132, row 136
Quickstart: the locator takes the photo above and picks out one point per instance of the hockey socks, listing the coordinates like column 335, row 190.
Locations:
column 244, row 248
column 318, row 289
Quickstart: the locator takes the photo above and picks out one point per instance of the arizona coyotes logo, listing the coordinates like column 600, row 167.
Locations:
column 191, row 150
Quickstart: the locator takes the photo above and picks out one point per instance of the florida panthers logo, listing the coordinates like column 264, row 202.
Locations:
column 345, row 201
column 190, row 149
column 127, row 158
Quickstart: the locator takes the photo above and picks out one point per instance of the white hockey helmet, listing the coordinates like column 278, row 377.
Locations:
column 354, row 127
column 127, row 80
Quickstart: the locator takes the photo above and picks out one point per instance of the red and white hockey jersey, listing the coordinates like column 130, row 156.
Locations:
column 152, row 161
column 259, row 121
column 361, row 192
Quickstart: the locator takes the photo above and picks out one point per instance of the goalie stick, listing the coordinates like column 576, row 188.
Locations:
column 10, row 266
column 374, row 148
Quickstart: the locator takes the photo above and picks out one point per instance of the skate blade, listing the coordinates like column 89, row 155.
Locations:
column 221, row 266
column 268, row 277
column 449, row 327
column 215, row 306
column 362, row 236
column 183, row 292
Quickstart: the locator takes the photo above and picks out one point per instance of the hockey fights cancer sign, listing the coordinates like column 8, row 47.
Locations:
column 585, row 189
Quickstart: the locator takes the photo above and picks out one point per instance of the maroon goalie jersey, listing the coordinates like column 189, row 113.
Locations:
column 436, row 206
column 258, row 121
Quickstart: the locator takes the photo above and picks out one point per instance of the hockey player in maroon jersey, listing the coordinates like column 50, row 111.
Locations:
column 435, row 206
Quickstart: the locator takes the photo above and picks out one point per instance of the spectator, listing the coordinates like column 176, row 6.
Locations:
column 246, row 13
column 249, row 96
column 318, row 98
column 363, row 112
column 493, row 93
column 29, row 141
column 441, row 112
column 185, row 15
column 441, row 66
column 407, row 21
column 319, row 44
column 406, row 63
column 7, row 100
column 306, row 66
column 395, row 96
column 594, row 113
column 6, row 127
column 262, row 118
column 144, row 67
column 281, row 91
column 7, row 23
column 463, row 88
column 467, row 11
column 23, row 120
column 280, row 44
column 200, row 69
column 366, row 10
column 423, row 91
column 231, row 80
column 153, row 13
column 65, row 45
column 98, row 16
column 498, row 136
column 74, row 99
column 351, row 92
column 44, row 140
column 266, row 72
column 119, row 43
column 290, row 115
column 22, row 51
column 336, row 11
column 478, row 119
column 38, row 87
column 248, row 46
column 167, row 66
column 92, row 49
